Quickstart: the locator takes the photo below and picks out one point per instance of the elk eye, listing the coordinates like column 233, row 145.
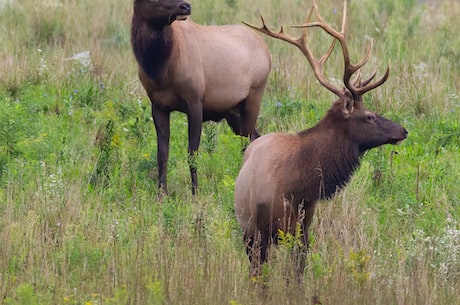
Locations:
column 370, row 117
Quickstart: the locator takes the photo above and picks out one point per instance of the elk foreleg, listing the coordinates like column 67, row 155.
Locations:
column 195, row 123
column 161, row 121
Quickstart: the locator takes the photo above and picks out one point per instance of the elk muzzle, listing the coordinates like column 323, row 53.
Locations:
column 184, row 10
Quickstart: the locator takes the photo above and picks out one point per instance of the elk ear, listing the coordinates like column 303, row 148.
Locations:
column 348, row 105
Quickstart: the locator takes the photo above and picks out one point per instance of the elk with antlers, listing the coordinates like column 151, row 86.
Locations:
column 284, row 175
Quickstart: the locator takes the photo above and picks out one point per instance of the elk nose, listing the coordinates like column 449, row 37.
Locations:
column 186, row 8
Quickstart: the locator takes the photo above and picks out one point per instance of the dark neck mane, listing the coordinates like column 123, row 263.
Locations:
column 151, row 45
column 336, row 171
column 332, row 154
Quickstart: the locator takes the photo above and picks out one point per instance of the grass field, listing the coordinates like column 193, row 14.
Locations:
column 80, row 222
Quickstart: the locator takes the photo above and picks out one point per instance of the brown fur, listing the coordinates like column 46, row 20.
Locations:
column 207, row 72
column 284, row 175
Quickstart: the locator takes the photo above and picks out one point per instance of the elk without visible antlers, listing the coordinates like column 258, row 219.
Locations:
column 284, row 175
column 207, row 72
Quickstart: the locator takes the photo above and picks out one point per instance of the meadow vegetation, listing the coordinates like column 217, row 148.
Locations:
column 80, row 222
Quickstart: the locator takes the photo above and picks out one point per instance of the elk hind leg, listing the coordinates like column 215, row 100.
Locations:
column 257, row 251
column 243, row 121
column 249, row 110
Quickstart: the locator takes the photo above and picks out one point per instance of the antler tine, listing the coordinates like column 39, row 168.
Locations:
column 324, row 58
column 350, row 69
column 357, row 90
column 367, row 85
column 280, row 35
column 344, row 18
column 357, row 82
column 300, row 43
column 366, row 82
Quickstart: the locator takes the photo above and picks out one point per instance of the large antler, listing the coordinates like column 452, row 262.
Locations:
column 301, row 43
column 356, row 88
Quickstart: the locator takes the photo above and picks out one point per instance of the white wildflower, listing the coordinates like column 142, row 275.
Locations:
column 54, row 183
column 84, row 58
column 43, row 70
column 420, row 70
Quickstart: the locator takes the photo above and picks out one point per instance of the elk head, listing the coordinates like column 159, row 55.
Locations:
column 162, row 12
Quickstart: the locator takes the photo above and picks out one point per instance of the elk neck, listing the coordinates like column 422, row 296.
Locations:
column 152, row 46
column 328, row 155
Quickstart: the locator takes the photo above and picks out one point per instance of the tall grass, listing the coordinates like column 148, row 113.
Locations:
column 81, row 222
